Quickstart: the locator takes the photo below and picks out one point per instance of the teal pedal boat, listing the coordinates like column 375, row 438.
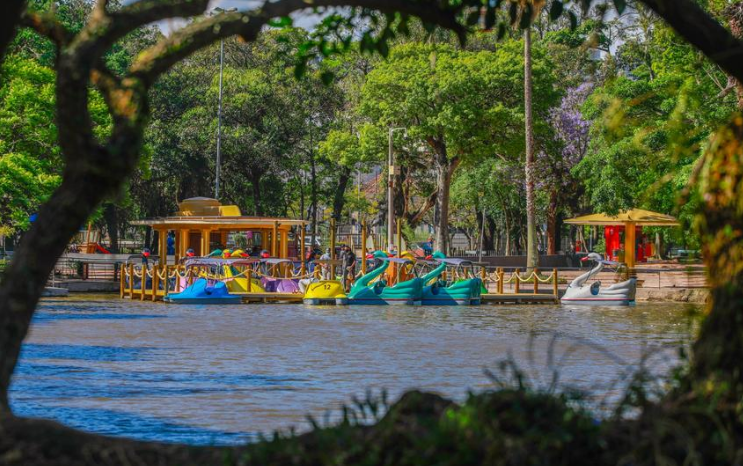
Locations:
column 368, row 291
column 459, row 291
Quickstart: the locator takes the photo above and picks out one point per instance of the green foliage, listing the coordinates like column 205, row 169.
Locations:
column 29, row 156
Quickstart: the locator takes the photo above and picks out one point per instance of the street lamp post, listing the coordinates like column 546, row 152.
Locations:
column 391, row 170
column 218, row 168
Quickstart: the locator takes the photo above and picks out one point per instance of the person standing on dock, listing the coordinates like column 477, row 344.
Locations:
column 348, row 262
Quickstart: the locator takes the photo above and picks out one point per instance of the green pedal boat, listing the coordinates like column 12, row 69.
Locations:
column 464, row 290
column 371, row 289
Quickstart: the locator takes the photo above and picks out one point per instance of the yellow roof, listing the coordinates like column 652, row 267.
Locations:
column 636, row 216
column 200, row 212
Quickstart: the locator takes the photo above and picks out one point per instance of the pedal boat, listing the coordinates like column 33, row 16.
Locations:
column 201, row 292
column 320, row 291
column 463, row 292
column 370, row 289
column 618, row 294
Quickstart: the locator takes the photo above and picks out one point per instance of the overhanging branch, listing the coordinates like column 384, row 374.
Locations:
column 191, row 38
column 703, row 32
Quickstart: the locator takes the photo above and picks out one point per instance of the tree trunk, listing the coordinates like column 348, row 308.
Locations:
column 552, row 223
column 717, row 360
column 444, row 171
column 34, row 259
column 507, row 232
column 532, row 255
column 734, row 15
column 8, row 23
column 110, row 214
column 313, row 196
column 340, row 193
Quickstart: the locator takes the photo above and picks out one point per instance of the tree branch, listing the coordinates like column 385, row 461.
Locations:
column 703, row 32
column 8, row 22
column 48, row 26
column 164, row 55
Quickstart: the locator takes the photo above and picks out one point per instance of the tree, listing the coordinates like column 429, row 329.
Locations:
column 530, row 10
column 457, row 107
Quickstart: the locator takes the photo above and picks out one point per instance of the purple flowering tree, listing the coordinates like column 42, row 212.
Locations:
column 565, row 151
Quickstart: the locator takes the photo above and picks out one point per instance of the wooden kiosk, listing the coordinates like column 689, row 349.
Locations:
column 204, row 224
column 629, row 220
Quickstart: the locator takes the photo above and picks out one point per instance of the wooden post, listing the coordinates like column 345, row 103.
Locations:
column 517, row 284
column 143, row 283
column 535, row 274
column 555, row 289
column 501, row 276
column 205, row 242
column 363, row 247
column 274, row 233
column 399, row 237
column 332, row 244
column 177, row 247
column 162, row 247
column 167, row 282
column 249, row 276
column 630, row 248
column 131, row 281
column 155, row 280
column 121, row 282
column 303, row 254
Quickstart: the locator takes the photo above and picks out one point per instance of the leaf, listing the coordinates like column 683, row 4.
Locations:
column 501, row 30
column 327, row 77
column 556, row 9
column 284, row 21
column 620, row 5
column 383, row 48
column 573, row 20
column 473, row 17
column 300, row 69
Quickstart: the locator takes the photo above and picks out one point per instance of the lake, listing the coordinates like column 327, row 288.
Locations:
column 222, row 374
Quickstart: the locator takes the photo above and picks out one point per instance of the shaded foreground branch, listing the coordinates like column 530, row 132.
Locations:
column 507, row 427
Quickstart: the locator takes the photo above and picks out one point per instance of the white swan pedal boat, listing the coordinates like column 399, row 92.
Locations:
column 618, row 294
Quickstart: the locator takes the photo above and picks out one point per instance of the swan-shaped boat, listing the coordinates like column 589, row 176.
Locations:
column 618, row 294
column 461, row 292
column 367, row 291
column 317, row 291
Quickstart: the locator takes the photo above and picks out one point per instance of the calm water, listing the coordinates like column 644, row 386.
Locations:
column 220, row 374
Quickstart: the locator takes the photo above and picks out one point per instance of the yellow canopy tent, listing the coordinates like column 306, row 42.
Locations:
column 629, row 219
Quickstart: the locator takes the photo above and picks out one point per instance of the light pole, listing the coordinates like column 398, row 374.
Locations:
column 219, row 122
column 391, row 170
column 218, row 170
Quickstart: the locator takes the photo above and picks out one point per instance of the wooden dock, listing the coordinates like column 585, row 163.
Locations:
column 519, row 298
column 270, row 297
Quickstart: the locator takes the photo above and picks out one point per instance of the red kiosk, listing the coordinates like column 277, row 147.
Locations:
column 623, row 233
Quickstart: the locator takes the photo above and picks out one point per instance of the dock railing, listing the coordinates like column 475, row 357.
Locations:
column 153, row 282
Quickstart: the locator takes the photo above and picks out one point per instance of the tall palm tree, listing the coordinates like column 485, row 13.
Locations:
column 532, row 8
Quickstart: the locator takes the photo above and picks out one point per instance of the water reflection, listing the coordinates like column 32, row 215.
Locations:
column 207, row 374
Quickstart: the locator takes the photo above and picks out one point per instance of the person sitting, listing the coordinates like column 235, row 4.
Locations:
column 310, row 259
column 325, row 268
